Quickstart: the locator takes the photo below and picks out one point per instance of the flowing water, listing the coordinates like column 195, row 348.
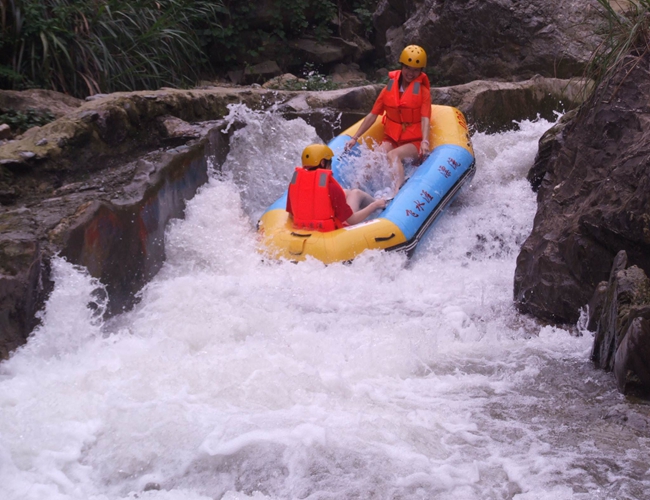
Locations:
column 387, row 378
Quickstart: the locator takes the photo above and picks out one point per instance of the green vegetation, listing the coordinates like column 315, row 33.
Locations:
column 312, row 80
column 87, row 47
column 627, row 33
column 20, row 121
column 364, row 9
column 84, row 47
column 248, row 28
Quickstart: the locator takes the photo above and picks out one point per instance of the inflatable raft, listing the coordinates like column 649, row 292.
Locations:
column 404, row 221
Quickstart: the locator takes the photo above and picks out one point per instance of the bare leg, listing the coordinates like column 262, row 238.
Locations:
column 396, row 159
column 357, row 199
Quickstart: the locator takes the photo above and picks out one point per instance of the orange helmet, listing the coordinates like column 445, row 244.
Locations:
column 414, row 56
column 314, row 153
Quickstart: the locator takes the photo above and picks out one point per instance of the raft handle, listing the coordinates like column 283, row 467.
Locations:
column 300, row 235
column 384, row 238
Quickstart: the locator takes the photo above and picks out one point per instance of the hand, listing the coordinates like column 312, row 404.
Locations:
column 380, row 203
column 424, row 148
column 350, row 144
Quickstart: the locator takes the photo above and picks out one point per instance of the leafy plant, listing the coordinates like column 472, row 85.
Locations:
column 627, row 33
column 82, row 47
column 364, row 10
column 20, row 121
column 243, row 37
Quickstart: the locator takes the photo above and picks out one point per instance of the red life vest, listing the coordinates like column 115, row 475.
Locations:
column 310, row 200
column 402, row 122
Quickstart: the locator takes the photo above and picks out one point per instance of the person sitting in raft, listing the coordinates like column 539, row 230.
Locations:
column 407, row 103
column 318, row 202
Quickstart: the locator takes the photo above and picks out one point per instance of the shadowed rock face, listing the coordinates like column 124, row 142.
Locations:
column 621, row 320
column 24, row 284
column 593, row 201
column 484, row 39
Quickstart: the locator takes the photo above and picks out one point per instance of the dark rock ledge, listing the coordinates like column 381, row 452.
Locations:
column 593, row 219
column 99, row 184
column 620, row 316
column 593, row 199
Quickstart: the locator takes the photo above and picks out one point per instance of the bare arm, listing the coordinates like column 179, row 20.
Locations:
column 361, row 215
column 425, row 147
column 363, row 128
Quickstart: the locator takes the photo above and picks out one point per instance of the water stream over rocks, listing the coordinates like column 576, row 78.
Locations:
column 388, row 378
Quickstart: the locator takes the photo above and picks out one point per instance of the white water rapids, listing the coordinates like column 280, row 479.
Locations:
column 388, row 378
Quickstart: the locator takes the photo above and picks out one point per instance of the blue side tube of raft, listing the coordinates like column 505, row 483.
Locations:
column 431, row 187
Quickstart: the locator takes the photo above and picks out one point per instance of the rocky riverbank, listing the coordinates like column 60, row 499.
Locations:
column 594, row 202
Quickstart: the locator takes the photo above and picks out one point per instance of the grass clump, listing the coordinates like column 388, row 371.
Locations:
column 83, row 48
column 626, row 41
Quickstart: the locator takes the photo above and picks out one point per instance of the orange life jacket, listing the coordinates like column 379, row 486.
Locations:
column 310, row 200
column 402, row 122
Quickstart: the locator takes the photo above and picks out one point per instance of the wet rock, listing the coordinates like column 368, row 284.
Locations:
column 596, row 304
column 351, row 28
column 323, row 52
column 261, row 72
column 631, row 366
column 622, row 339
column 95, row 97
column 175, row 128
column 24, row 283
column 549, row 146
column 41, row 100
column 381, row 73
column 111, row 221
column 491, row 39
column 282, row 81
column 8, row 195
column 495, row 106
column 5, row 132
column 605, row 344
column 117, row 124
column 593, row 201
column 236, row 76
column 89, row 116
column 118, row 235
column 27, row 155
column 348, row 74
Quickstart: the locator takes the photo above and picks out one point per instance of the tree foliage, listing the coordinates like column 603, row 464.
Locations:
column 84, row 47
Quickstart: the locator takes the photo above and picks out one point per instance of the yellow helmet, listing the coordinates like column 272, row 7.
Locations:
column 414, row 56
column 314, row 153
